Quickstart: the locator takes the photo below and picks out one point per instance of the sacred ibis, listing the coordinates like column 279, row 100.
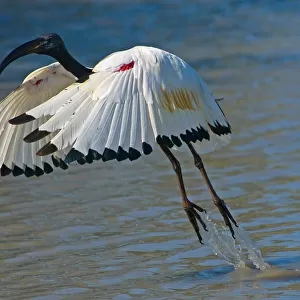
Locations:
column 130, row 103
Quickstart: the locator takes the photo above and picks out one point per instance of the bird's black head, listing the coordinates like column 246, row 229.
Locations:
column 48, row 44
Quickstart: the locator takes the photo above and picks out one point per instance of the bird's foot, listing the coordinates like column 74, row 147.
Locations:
column 221, row 205
column 192, row 210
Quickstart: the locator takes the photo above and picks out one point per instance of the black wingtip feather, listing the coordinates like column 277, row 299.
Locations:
column 5, row 170
column 190, row 136
column 38, row 171
column 47, row 149
column 73, row 155
column 55, row 162
column 92, row 155
column 133, row 154
column 109, row 154
column 89, row 160
column 35, row 135
column 17, row 171
column 21, row 119
column 63, row 165
column 202, row 134
column 147, row 149
column 29, row 172
column 219, row 129
column 81, row 161
column 122, row 154
column 47, row 168
column 176, row 141
column 167, row 141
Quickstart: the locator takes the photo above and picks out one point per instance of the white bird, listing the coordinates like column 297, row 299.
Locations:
column 130, row 103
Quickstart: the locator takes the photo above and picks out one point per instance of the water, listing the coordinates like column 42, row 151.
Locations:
column 117, row 231
column 238, row 252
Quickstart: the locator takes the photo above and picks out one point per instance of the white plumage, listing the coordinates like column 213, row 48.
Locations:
column 131, row 99
column 37, row 87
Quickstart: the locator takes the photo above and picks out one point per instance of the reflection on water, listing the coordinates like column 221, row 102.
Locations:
column 117, row 231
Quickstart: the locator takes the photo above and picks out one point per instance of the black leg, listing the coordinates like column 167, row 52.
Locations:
column 189, row 207
column 220, row 204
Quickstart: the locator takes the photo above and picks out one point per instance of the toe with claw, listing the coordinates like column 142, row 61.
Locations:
column 221, row 205
column 192, row 210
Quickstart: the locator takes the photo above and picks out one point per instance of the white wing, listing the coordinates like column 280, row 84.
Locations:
column 134, row 99
column 16, row 156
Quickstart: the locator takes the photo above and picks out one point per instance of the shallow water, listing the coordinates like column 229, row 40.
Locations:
column 117, row 231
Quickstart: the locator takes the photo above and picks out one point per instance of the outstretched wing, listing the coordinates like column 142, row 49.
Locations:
column 134, row 99
column 16, row 156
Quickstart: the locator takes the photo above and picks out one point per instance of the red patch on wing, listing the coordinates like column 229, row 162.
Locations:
column 38, row 82
column 126, row 67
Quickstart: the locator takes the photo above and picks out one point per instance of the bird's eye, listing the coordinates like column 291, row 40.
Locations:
column 48, row 44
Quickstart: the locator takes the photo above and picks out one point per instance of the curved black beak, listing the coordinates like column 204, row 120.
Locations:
column 25, row 49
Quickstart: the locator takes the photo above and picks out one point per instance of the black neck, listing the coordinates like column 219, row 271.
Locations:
column 70, row 63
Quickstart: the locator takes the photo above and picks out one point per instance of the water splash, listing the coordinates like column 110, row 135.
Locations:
column 237, row 252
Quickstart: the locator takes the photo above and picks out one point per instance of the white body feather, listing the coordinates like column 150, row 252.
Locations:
column 134, row 99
